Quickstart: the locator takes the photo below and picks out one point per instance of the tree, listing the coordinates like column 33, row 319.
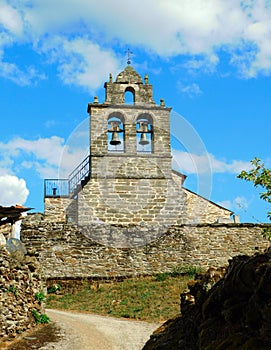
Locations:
column 261, row 177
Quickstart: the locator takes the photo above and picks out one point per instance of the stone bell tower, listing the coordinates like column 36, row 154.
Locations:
column 130, row 158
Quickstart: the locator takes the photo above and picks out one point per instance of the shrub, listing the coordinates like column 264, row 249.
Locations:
column 39, row 296
column 40, row 318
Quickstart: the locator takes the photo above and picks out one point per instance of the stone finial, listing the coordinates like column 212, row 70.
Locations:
column 96, row 99
column 146, row 79
column 110, row 78
column 162, row 102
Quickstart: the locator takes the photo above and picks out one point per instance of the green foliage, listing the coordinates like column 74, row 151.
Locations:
column 188, row 270
column 13, row 290
column 54, row 288
column 261, row 177
column 161, row 276
column 39, row 296
column 40, row 318
column 267, row 233
column 152, row 298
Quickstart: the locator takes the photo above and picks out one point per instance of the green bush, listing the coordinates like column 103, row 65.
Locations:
column 40, row 296
column 40, row 318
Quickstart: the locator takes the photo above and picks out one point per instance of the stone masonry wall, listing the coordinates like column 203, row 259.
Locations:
column 131, row 201
column 19, row 281
column 99, row 128
column 59, row 209
column 101, row 250
column 201, row 210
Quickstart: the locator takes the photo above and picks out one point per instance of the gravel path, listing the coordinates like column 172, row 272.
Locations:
column 91, row 332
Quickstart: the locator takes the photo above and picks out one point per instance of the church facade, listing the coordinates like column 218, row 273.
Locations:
column 128, row 177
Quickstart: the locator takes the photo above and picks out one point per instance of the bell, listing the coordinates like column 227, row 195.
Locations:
column 114, row 126
column 143, row 139
column 143, row 127
column 115, row 139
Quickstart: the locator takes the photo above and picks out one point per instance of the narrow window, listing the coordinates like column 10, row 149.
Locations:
column 115, row 135
column 144, row 134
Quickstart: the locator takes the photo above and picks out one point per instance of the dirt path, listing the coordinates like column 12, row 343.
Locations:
column 92, row 332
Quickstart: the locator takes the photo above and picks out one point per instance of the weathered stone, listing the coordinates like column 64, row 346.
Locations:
column 18, row 286
column 227, row 308
column 98, row 249
column 15, row 245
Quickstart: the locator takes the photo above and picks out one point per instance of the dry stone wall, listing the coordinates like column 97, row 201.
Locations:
column 100, row 250
column 19, row 281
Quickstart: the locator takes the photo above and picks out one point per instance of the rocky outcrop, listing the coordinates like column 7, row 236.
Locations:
column 19, row 282
column 223, row 310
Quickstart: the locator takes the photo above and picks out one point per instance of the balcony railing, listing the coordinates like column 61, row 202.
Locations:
column 56, row 188
column 68, row 187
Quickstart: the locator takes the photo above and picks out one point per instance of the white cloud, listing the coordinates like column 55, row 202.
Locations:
column 239, row 203
column 12, row 190
column 204, row 63
column 43, row 153
column 10, row 19
column 199, row 164
column 190, row 90
column 23, row 78
column 48, row 149
column 49, row 157
column 73, row 32
column 80, row 61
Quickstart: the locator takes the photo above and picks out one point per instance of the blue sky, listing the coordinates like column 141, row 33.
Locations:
column 209, row 60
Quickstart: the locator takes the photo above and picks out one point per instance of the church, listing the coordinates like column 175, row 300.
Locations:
column 127, row 179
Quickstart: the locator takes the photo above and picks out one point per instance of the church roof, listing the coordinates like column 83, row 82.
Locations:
column 129, row 75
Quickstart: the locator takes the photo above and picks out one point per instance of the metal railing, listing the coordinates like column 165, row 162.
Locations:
column 56, row 188
column 67, row 187
column 79, row 174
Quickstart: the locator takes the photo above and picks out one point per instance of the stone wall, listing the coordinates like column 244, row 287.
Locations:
column 131, row 201
column 101, row 250
column 129, row 77
column 60, row 209
column 201, row 210
column 19, row 281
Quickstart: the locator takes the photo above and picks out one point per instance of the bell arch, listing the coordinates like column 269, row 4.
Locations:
column 144, row 133
column 129, row 95
column 115, row 132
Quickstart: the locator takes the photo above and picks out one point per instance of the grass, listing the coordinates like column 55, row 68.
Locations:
column 152, row 299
